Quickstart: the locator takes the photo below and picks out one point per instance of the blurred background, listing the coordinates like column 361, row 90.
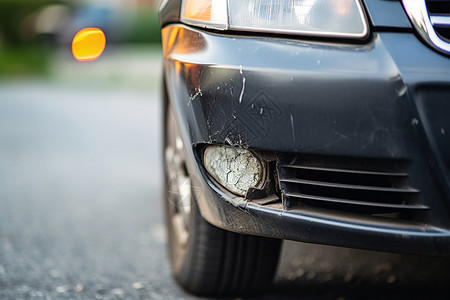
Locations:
column 81, row 177
column 32, row 30
column 80, row 161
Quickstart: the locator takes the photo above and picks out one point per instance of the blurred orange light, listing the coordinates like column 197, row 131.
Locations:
column 88, row 44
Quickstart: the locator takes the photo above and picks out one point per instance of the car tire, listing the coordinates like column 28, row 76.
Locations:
column 206, row 260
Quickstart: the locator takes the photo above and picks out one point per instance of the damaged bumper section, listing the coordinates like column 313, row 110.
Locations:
column 338, row 144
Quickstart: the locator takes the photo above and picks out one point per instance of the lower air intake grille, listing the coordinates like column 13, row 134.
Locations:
column 363, row 186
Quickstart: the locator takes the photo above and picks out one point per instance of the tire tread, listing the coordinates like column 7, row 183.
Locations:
column 224, row 263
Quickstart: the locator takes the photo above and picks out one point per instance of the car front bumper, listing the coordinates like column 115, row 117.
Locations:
column 384, row 100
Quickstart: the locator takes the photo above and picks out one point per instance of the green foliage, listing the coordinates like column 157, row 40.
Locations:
column 20, row 61
column 145, row 28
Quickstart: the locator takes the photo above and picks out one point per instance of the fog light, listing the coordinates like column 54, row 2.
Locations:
column 236, row 169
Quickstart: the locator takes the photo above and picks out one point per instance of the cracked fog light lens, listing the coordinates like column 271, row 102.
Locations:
column 234, row 168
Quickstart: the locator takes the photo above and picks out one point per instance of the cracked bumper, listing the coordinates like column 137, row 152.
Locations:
column 290, row 96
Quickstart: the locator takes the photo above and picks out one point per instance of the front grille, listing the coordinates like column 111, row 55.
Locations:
column 439, row 11
column 361, row 186
column 431, row 19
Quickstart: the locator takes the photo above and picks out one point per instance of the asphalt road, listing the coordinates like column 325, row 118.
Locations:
column 80, row 201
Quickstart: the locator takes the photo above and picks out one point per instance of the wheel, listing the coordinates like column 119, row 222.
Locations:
column 206, row 260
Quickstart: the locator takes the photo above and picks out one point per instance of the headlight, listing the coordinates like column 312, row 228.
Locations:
column 329, row 18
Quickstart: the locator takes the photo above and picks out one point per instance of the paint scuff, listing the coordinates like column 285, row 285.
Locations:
column 242, row 91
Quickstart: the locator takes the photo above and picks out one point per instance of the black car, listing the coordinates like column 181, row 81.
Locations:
column 318, row 121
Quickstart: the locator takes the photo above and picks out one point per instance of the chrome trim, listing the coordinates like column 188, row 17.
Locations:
column 418, row 14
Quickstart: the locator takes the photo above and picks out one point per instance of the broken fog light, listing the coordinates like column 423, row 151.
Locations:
column 236, row 169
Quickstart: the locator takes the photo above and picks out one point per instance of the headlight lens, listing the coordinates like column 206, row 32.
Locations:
column 330, row 18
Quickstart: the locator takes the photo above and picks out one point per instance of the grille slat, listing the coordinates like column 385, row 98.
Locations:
column 350, row 186
column 361, row 203
column 348, row 171
column 440, row 20
column 430, row 19
column 439, row 12
column 363, row 186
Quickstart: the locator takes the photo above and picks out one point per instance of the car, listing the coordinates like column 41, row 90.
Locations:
column 317, row 121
